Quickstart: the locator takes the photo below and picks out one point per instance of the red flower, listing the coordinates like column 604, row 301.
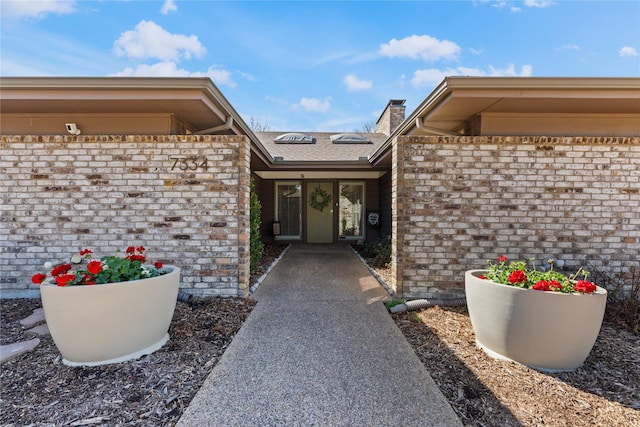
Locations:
column 64, row 279
column 542, row 285
column 517, row 276
column 131, row 249
column 60, row 269
column 547, row 285
column 157, row 265
column 584, row 286
column 38, row 278
column 140, row 249
column 86, row 252
column 88, row 279
column 137, row 257
column 502, row 258
column 555, row 284
column 482, row 276
column 94, row 267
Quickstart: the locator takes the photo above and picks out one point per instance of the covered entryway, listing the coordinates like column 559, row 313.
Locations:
column 320, row 187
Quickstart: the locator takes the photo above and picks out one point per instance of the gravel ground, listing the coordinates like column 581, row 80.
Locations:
column 37, row 389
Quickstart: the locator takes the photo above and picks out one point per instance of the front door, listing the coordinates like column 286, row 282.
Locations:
column 320, row 203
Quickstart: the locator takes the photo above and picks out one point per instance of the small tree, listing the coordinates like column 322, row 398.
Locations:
column 255, row 242
column 367, row 127
column 258, row 126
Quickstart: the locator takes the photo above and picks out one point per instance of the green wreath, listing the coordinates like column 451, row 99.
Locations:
column 325, row 199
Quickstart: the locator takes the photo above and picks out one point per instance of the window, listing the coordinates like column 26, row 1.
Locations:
column 350, row 138
column 352, row 204
column 289, row 209
column 294, row 138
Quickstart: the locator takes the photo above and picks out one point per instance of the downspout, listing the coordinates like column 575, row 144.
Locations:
column 226, row 126
column 425, row 303
column 433, row 131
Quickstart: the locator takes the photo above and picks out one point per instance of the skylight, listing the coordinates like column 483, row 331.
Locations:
column 350, row 138
column 294, row 138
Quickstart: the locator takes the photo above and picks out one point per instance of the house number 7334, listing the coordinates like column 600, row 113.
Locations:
column 189, row 163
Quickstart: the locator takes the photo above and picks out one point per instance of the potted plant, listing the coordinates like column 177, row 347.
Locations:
column 534, row 316
column 108, row 310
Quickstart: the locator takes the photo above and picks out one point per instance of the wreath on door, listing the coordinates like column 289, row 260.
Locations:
column 319, row 199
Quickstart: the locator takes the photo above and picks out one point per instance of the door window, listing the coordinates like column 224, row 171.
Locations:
column 289, row 209
column 351, row 221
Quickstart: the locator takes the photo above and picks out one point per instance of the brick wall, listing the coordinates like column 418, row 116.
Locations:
column 63, row 193
column 460, row 201
column 385, row 201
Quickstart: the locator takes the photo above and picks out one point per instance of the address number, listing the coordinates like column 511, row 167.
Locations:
column 190, row 163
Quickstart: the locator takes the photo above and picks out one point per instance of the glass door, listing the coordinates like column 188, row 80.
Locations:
column 351, row 218
column 289, row 209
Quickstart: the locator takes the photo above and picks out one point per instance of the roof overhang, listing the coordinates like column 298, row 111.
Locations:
column 456, row 100
column 196, row 101
column 320, row 174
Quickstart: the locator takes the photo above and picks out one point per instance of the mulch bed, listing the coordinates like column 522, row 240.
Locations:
column 37, row 389
column 483, row 391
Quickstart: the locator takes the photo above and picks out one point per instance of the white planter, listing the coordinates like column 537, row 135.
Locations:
column 110, row 323
column 548, row 331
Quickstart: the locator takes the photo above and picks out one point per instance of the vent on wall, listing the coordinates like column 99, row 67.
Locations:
column 350, row 138
column 294, row 138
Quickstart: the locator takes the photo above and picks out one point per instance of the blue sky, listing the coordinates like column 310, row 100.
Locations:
column 325, row 65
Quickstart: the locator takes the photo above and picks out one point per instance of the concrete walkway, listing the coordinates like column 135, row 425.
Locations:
column 319, row 349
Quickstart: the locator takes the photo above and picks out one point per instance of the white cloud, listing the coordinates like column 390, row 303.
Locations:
column 500, row 4
column 160, row 69
column 35, row 8
column 539, row 3
column 313, row 105
column 570, row 47
column 168, row 6
column 433, row 76
column 219, row 76
column 420, row 47
column 149, row 40
column 355, row 84
column 430, row 76
column 504, row 4
column 628, row 51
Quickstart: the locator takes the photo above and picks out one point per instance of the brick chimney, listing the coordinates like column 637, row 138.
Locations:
column 391, row 117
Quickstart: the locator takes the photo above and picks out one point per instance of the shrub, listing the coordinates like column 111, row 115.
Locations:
column 379, row 251
column 623, row 299
column 255, row 240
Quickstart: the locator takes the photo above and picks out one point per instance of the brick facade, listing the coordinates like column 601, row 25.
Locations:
column 458, row 201
column 63, row 193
